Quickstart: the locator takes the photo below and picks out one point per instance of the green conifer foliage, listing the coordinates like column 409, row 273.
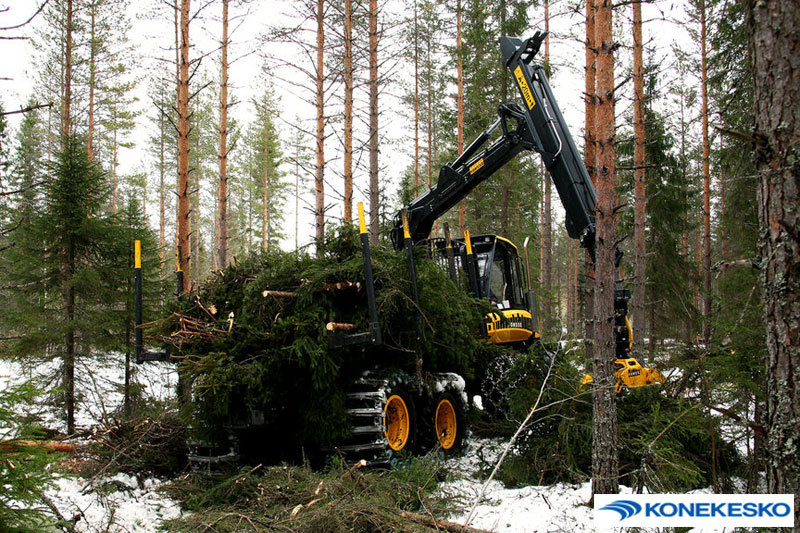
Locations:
column 25, row 471
column 265, row 158
column 63, row 270
column 271, row 353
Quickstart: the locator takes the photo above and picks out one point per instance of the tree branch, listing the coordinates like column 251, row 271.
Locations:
column 31, row 107
column 27, row 21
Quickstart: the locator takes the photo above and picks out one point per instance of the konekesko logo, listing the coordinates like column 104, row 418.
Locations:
column 688, row 510
column 625, row 508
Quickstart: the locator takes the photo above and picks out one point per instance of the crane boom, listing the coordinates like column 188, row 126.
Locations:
column 538, row 126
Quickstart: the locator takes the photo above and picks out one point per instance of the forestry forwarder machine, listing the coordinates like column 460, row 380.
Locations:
column 393, row 412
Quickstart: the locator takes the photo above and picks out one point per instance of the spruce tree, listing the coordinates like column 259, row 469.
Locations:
column 263, row 166
column 25, row 471
column 62, row 270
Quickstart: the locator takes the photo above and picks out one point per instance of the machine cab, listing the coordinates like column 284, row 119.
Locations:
column 500, row 281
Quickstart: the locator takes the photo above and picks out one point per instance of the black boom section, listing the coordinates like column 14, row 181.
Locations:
column 552, row 138
column 459, row 178
column 539, row 126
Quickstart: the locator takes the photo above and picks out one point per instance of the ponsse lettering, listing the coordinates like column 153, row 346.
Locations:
column 523, row 86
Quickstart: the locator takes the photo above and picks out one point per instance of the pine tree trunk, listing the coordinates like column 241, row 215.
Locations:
column 69, row 344
column 640, row 198
column 429, row 104
column 416, row 100
column 162, row 223
column 348, row 111
column 547, row 218
column 65, row 119
column 568, row 289
column 265, row 199
column 605, row 462
column 92, row 72
column 319, row 178
column 688, row 322
column 723, row 237
column 775, row 48
column 222, row 189
column 590, row 155
column 195, row 235
column 114, row 179
column 177, row 8
column 126, row 388
column 374, row 187
column 706, row 182
column 462, row 209
column 297, row 197
column 183, row 221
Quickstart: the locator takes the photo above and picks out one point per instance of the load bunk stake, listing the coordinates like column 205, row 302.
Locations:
column 412, row 275
column 372, row 336
column 140, row 354
column 451, row 258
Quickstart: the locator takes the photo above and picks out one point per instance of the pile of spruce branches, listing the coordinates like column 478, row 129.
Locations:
column 254, row 336
column 338, row 499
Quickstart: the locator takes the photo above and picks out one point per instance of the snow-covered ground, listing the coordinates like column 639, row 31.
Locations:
column 560, row 507
column 118, row 504
column 98, row 386
column 546, row 508
column 115, row 504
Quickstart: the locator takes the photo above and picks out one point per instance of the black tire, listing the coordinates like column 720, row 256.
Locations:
column 448, row 425
column 400, row 422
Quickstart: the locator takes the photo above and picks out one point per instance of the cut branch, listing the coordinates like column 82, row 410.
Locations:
column 439, row 524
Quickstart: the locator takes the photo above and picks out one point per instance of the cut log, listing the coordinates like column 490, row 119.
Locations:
column 440, row 524
column 339, row 326
column 279, row 294
column 51, row 446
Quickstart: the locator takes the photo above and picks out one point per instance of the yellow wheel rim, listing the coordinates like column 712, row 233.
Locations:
column 396, row 422
column 446, row 425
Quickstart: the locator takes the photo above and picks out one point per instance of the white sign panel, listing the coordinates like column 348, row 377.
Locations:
column 694, row 510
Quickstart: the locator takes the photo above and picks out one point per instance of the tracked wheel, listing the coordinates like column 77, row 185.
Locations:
column 383, row 421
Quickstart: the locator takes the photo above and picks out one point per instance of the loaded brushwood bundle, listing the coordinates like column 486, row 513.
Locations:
column 255, row 337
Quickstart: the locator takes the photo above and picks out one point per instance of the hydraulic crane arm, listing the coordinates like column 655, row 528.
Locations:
column 539, row 127
column 460, row 177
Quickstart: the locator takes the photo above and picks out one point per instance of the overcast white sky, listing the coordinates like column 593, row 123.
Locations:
column 153, row 39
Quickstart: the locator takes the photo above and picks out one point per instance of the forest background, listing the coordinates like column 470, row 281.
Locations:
column 260, row 128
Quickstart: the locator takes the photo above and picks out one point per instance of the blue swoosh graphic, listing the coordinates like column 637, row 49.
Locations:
column 625, row 508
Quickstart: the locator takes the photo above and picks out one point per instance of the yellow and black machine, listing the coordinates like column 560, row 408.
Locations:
column 389, row 412
column 491, row 262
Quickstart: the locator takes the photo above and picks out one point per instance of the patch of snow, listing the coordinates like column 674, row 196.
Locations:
column 559, row 507
column 477, row 401
column 116, row 504
column 98, row 386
